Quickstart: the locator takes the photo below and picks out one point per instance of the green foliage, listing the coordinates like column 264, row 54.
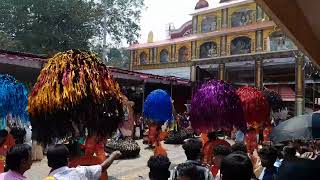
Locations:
column 48, row 26
column 123, row 16
column 7, row 41
column 118, row 58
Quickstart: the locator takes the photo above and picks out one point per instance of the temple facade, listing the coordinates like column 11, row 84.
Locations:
column 234, row 41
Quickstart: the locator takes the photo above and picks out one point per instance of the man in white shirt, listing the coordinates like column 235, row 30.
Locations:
column 58, row 160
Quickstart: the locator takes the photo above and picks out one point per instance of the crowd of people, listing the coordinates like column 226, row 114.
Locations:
column 19, row 160
column 219, row 158
column 235, row 162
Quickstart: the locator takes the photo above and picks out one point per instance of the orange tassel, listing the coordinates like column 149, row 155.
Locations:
column 160, row 151
column 204, row 138
column 163, row 135
column 266, row 134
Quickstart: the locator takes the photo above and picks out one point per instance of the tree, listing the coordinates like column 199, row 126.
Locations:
column 6, row 41
column 123, row 17
column 48, row 26
column 118, row 58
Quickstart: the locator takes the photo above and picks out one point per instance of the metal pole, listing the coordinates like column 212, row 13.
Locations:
column 222, row 71
column 259, row 74
column 104, row 43
column 300, row 86
column 313, row 95
column 171, row 90
column 143, row 94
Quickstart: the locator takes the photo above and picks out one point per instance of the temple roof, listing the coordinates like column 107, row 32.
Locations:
column 184, row 30
column 202, row 4
column 221, row 5
column 31, row 63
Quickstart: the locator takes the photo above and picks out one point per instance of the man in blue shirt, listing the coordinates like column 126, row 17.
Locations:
column 268, row 156
column 239, row 136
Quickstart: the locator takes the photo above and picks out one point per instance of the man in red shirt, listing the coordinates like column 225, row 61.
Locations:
column 251, row 140
column 208, row 147
column 219, row 152
column 6, row 142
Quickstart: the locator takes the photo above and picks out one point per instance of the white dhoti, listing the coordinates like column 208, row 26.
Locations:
column 126, row 132
column 37, row 151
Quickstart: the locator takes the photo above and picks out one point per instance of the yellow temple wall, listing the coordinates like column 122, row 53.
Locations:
column 216, row 39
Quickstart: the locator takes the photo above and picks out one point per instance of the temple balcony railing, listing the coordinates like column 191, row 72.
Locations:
column 163, row 65
column 245, row 57
column 221, row 59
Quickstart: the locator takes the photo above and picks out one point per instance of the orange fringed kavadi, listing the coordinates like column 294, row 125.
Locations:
column 75, row 90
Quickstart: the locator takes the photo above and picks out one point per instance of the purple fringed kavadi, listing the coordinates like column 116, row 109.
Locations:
column 216, row 106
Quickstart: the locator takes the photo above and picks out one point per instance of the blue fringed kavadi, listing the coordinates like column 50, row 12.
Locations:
column 158, row 107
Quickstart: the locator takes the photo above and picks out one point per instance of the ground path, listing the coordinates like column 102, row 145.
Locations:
column 129, row 169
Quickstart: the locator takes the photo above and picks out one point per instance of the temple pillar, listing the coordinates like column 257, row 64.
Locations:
column 143, row 87
column 224, row 18
column 150, row 56
column 195, row 24
column 154, row 54
column 194, row 50
column 132, row 57
column 223, row 45
column 222, row 71
column 174, row 53
column 259, row 40
column 300, row 86
column 171, row 53
column 193, row 73
column 258, row 79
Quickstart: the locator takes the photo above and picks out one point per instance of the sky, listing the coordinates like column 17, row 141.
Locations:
column 159, row 13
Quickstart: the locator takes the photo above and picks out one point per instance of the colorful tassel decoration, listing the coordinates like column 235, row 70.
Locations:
column 158, row 107
column 13, row 99
column 274, row 99
column 75, row 89
column 216, row 106
column 255, row 106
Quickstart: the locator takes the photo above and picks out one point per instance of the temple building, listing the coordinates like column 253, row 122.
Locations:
column 237, row 42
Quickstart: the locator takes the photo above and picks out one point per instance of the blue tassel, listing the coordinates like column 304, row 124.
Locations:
column 13, row 98
column 158, row 107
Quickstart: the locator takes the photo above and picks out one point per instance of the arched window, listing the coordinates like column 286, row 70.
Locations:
column 279, row 41
column 241, row 17
column 209, row 24
column 143, row 58
column 164, row 56
column 208, row 49
column 240, row 45
column 183, row 54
